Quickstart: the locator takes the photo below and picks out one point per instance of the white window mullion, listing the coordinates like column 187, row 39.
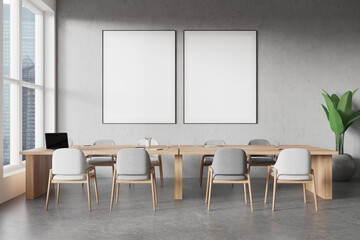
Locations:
column 19, row 6
column 15, row 89
column 31, row 85
column 39, row 74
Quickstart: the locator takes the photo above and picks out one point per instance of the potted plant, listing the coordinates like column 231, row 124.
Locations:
column 341, row 116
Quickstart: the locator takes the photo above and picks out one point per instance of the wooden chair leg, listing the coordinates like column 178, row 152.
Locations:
column 88, row 190
column 250, row 194
column 155, row 186
column 232, row 185
column 161, row 172
column 315, row 198
column 96, row 188
column 48, row 191
column 112, row 191
column 58, row 193
column 207, row 186
column 267, row 184
column 274, row 194
column 304, row 190
column 201, row 171
column 152, row 191
column 245, row 194
column 117, row 192
column 210, row 189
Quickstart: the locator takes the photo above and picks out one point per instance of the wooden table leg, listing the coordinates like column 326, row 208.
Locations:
column 178, row 177
column 322, row 165
column 37, row 175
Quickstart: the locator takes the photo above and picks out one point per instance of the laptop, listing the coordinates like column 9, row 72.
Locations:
column 56, row 140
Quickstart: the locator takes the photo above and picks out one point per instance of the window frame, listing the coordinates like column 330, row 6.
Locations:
column 16, row 76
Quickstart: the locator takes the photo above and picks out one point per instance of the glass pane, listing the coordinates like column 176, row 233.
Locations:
column 10, row 123
column 28, row 45
column 32, row 118
column 6, row 38
column 6, row 123
column 28, row 118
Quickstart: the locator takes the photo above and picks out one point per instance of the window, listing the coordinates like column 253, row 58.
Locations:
column 23, row 90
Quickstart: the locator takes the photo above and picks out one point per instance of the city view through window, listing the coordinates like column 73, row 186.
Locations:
column 28, row 75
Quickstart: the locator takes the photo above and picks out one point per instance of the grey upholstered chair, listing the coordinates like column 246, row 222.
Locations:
column 104, row 160
column 70, row 166
column 229, row 166
column 260, row 160
column 293, row 166
column 155, row 159
column 133, row 166
column 206, row 160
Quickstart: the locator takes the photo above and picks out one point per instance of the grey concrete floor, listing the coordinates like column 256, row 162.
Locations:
column 229, row 218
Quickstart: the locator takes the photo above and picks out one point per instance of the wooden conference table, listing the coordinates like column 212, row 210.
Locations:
column 38, row 163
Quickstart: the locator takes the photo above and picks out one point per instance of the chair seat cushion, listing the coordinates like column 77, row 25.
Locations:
column 208, row 159
column 132, row 177
column 262, row 160
column 229, row 177
column 99, row 159
column 292, row 177
column 69, row 177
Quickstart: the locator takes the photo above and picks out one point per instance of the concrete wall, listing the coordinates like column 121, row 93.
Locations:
column 303, row 47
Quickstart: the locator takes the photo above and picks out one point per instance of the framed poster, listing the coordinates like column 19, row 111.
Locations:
column 220, row 76
column 139, row 76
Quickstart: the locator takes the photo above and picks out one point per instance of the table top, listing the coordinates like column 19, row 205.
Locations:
column 251, row 149
column 107, row 150
column 184, row 149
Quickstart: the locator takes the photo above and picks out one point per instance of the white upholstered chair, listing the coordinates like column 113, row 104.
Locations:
column 70, row 166
column 260, row 160
column 103, row 160
column 229, row 166
column 133, row 166
column 292, row 166
column 155, row 159
column 206, row 160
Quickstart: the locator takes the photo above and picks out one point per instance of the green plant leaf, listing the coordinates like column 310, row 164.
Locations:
column 328, row 101
column 335, row 99
column 352, row 119
column 355, row 91
column 336, row 122
column 345, row 106
column 326, row 93
column 326, row 111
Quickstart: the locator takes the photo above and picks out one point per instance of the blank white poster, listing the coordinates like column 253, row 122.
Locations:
column 139, row 76
column 220, row 72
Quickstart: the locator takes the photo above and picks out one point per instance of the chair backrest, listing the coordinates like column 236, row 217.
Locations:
column 231, row 161
column 259, row 142
column 215, row 142
column 143, row 142
column 68, row 161
column 133, row 161
column 104, row 142
column 294, row 161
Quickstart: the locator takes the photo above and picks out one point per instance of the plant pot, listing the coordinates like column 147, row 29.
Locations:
column 343, row 167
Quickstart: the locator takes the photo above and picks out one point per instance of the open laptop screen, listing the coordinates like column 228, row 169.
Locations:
column 56, row 140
